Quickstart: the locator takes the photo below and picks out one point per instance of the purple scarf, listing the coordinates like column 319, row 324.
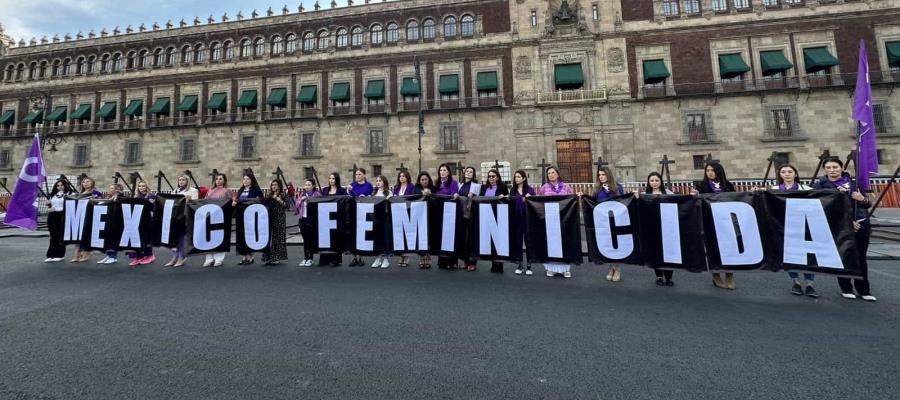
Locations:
column 716, row 187
column 844, row 181
column 795, row 186
column 556, row 188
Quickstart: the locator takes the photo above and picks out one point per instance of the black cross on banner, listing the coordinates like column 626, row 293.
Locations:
column 544, row 165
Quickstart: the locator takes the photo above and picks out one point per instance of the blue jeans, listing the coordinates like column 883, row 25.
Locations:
column 806, row 275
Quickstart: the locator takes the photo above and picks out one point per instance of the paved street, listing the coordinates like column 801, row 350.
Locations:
column 111, row 332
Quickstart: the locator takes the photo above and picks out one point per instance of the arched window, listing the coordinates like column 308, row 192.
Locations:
column 356, row 36
column 393, row 33
column 341, row 36
column 309, row 42
column 412, row 30
column 170, row 56
column 147, row 58
column 229, row 50
column 20, row 71
column 245, row 48
column 10, row 70
column 32, row 71
column 450, row 26
column 376, row 34
column 187, row 54
column 129, row 60
column 428, row 29
column 199, row 53
column 104, row 63
column 90, row 64
column 117, row 62
column 216, row 51
column 277, row 45
column 66, row 67
column 259, row 47
column 54, row 71
column 158, row 58
column 468, row 25
column 42, row 70
column 324, row 40
column 291, row 43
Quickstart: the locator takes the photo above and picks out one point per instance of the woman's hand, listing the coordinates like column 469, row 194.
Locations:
column 856, row 226
column 858, row 196
column 636, row 194
column 455, row 196
column 694, row 192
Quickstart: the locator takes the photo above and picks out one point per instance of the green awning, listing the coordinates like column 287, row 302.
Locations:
column 160, row 106
column 188, row 104
column 135, row 108
column 655, row 71
column 893, row 53
column 568, row 75
column 732, row 65
column 108, row 111
column 218, row 101
column 277, row 97
column 449, row 84
column 410, row 87
column 247, row 99
column 8, row 118
column 818, row 59
column 307, row 94
column 58, row 114
column 82, row 113
column 773, row 62
column 340, row 92
column 487, row 81
column 34, row 117
column 374, row 90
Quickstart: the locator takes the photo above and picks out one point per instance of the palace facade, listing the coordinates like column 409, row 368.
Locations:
column 519, row 82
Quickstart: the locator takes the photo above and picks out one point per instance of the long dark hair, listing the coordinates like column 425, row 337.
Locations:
column 386, row 190
column 487, row 182
column 547, row 172
column 224, row 180
column 524, row 187
column 280, row 189
column 449, row 174
column 720, row 173
column 337, row 180
column 474, row 174
column 65, row 187
column 253, row 182
column 408, row 179
column 778, row 178
column 662, row 183
column 610, row 180
column 430, row 181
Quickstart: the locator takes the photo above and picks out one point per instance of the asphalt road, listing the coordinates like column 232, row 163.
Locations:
column 111, row 332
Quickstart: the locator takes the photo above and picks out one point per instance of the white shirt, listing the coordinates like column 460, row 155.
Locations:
column 58, row 201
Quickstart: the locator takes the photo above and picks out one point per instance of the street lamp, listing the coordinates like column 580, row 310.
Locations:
column 421, row 109
column 40, row 100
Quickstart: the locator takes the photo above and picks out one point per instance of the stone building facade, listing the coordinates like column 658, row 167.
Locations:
column 516, row 81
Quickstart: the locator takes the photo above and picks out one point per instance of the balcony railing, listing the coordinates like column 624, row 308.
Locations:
column 248, row 115
column 134, row 123
column 492, row 101
column 310, row 112
column 767, row 83
column 158, row 121
column 188, row 120
column 572, row 96
column 217, row 118
column 109, row 125
column 275, row 114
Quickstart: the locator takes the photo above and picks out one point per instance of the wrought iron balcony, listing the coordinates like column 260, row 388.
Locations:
column 572, row 96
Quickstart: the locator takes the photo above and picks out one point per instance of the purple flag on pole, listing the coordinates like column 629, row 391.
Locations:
column 22, row 211
column 867, row 156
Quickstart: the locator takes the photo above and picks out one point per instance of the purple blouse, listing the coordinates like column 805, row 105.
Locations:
column 450, row 190
column 560, row 188
column 410, row 190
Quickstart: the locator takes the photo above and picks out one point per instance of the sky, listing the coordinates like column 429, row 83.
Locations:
column 27, row 19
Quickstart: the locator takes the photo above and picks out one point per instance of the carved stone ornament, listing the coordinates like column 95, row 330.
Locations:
column 565, row 14
column 615, row 59
column 523, row 67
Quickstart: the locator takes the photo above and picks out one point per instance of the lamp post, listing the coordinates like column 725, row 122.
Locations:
column 421, row 109
column 40, row 100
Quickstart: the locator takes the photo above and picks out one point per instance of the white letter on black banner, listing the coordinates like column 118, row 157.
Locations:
column 326, row 224
column 256, row 235
column 75, row 210
column 495, row 230
column 554, row 233
column 363, row 225
column 97, row 225
column 798, row 213
column 168, row 206
column 603, row 232
column 217, row 236
column 448, row 230
column 671, row 233
column 131, row 225
column 729, row 251
column 410, row 230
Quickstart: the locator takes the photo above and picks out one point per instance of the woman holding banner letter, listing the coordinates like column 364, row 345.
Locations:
column 425, row 187
column 383, row 189
column 145, row 256
column 334, row 189
column 606, row 188
column 447, row 186
column 521, row 191
column 360, row 187
column 278, row 228
column 88, row 189
column 189, row 193
column 309, row 191
column 249, row 190
column 56, row 219
column 715, row 181
column 494, row 187
column 220, row 190
column 112, row 255
column 556, row 187
column 786, row 180
column 655, row 187
column 469, row 188
column 836, row 178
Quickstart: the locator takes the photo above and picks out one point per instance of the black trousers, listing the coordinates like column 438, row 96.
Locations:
column 306, row 232
column 56, row 225
column 862, row 247
column 663, row 273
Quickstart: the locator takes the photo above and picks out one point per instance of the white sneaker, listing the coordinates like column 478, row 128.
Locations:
column 550, row 273
column 104, row 260
column 518, row 271
column 50, row 260
column 869, row 297
column 309, row 263
column 848, row 295
column 377, row 262
column 567, row 274
column 58, row 259
column 208, row 263
column 528, row 272
column 110, row 260
column 385, row 262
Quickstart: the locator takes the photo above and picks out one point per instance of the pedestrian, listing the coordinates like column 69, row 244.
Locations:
column 787, row 180
column 249, row 190
column 556, row 187
column 360, row 187
column 179, row 257
column 112, row 195
column 56, row 221
column 424, row 187
column 468, row 189
column 334, row 189
column 715, row 181
column 144, row 256
column 277, row 205
column 521, row 191
column 219, row 191
column 494, row 188
column 383, row 189
column 88, row 189
column 446, row 186
column 605, row 188
column 308, row 191
column 655, row 187
column 404, row 187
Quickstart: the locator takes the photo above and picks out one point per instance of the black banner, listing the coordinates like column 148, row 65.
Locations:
column 670, row 232
column 612, row 230
column 102, row 225
column 492, row 228
column 209, row 226
column 137, row 223
column 408, row 218
column 330, row 221
column 553, row 234
column 168, row 215
column 252, row 219
column 731, row 226
column 368, row 218
column 446, row 227
column 75, row 208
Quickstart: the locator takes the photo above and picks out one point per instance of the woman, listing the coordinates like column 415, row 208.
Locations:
column 112, row 255
column 715, row 181
column 334, row 189
column 787, row 181
column 88, row 188
column 836, row 178
column 359, row 188
column 425, row 187
column 448, row 187
column 521, row 191
column 469, row 188
column 145, row 256
column 56, row 219
column 383, row 189
column 277, row 228
column 309, row 191
column 556, row 187
column 606, row 188
column 178, row 255
column 219, row 190
column 404, row 187
column 249, row 190
column 494, row 188
column 655, row 187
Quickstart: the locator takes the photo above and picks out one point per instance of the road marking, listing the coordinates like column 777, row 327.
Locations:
column 895, row 276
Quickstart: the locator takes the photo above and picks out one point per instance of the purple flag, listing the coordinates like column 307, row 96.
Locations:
column 22, row 211
column 867, row 156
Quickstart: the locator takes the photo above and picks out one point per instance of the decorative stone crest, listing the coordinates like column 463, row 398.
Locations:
column 523, row 67
column 615, row 59
column 565, row 14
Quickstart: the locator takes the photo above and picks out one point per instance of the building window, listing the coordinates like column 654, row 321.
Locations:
column 881, row 119
column 428, row 29
column 170, row 56
column 309, row 42
column 90, row 64
column 781, row 122
column 308, row 145
column 534, row 20
column 412, row 30
column 291, row 46
column 187, row 55
column 356, row 36
column 229, row 50
column 882, row 157
column 67, row 67
column 450, row 140
column 309, row 173
column 199, row 53
column 80, row 155
column 376, row 34
column 699, row 162
column 670, row 8
column 5, row 159
column 158, row 58
column 450, row 26
column 259, row 47
column 741, row 4
column 104, row 64
column 781, row 159
column 377, row 144
column 188, row 149
column 216, row 51
column 691, row 6
column 341, row 36
column 277, row 45
column 595, row 12
column 324, row 40
column 132, row 152
column 248, row 147
column 245, row 48
column 393, row 33
column 720, row 5
column 696, row 127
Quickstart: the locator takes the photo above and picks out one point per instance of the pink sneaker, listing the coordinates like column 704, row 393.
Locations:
column 135, row 261
column 148, row 260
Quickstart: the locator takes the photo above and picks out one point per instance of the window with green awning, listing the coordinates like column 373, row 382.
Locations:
column 340, row 92
column 277, row 97
column 818, row 59
column 82, row 113
column 893, row 53
column 218, row 101
column 449, row 84
column 486, row 81
column 732, row 65
column 34, row 117
column 568, row 76
column 410, row 87
column 374, row 89
column 108, row 111
column 188, row 104
column 247, row 99
column 160, row 106
column 58, row 114
column 655, row 71
column 8, row 118
column 307, row 94
column 135, row 108
column 773, row 62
